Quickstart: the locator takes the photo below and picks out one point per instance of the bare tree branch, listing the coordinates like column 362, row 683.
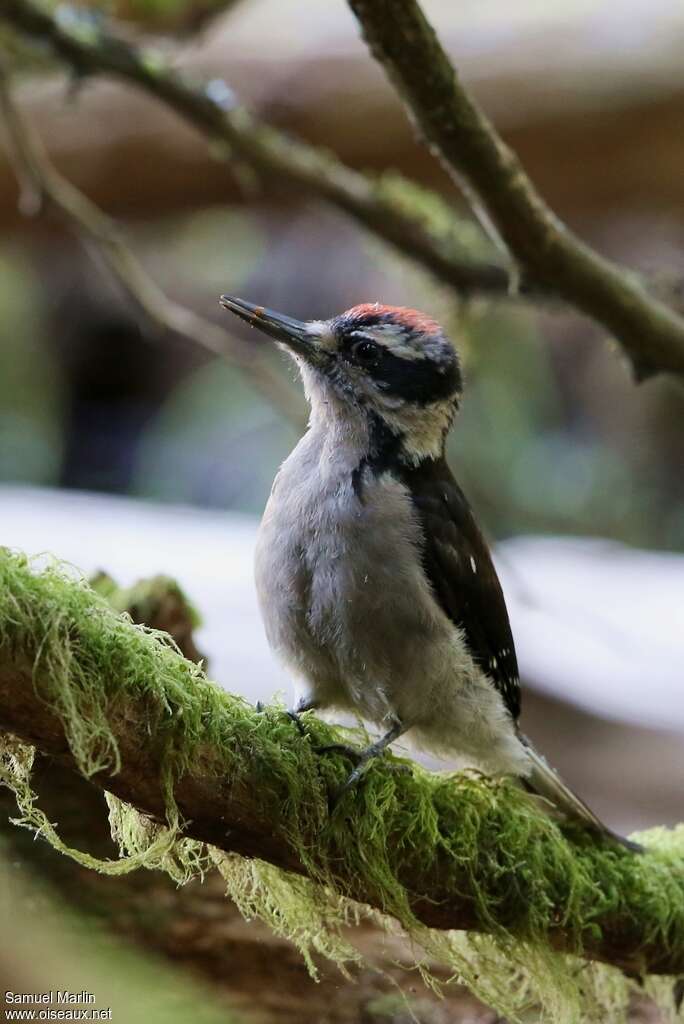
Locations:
column 404, row 42
column 42, row 186
column 404, row 217
column 551, row 260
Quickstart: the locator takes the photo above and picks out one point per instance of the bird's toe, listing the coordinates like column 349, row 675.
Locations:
column 352, row 753
column 294, row 717
column 347, row 786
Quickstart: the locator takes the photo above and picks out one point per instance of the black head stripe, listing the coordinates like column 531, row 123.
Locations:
column 417, row 380
column 384, row 453
column 421, row 380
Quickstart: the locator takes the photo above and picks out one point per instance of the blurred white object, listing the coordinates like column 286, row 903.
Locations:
column 599, row 624
column 595, row 623
column 208, row 553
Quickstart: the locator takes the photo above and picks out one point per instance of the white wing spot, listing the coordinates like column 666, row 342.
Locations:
column 473, row 564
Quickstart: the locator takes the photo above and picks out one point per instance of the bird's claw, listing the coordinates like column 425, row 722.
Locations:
column 354, row 755
column 351, row 781
column 361, row 760
column 293, row 715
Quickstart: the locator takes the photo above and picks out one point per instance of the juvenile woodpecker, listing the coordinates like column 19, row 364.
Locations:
column 375, row 584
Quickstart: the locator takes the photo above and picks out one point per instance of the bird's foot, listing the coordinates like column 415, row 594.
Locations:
column 294, row 717
column 352, row 753
column 358, row 757
column 354, row 777
column 292, row 713
column 361, row 760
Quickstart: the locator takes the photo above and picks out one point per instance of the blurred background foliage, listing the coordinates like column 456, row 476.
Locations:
column 553, row 436
column 91, row 398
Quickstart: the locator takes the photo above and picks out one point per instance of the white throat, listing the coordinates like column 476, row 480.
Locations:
column 345, row 431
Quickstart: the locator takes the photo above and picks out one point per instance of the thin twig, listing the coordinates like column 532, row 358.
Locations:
column 551, row 260
column 548, row 254
column 410, row 218
column 190, row 20
column 42, row 185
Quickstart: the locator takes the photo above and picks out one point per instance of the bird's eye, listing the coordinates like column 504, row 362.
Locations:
column 366, row 353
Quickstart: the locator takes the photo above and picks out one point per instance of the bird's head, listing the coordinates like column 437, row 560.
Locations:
column 392, row 365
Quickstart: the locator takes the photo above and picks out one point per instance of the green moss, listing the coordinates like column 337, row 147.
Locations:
column 144, row 598
column 463, row 237
column 483, row 836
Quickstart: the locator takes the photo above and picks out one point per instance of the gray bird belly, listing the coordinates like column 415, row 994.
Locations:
column 347, row 606
column 343, row 594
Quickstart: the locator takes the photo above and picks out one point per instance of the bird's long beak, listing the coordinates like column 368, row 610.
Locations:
column 292, row 333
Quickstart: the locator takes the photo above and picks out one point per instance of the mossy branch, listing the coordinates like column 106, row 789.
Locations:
column 412, row 219
column 159, row 603
column 119, row 704
column 548, row 254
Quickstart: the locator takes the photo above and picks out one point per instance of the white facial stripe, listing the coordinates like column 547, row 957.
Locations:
column 320, row 331
column 394, row 338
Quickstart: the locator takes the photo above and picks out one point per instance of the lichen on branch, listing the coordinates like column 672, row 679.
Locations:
column 197, row 778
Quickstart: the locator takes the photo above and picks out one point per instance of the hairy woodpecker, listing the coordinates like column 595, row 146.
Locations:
column 375, row 584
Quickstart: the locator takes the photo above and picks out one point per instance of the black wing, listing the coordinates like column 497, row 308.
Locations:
column 459, row 566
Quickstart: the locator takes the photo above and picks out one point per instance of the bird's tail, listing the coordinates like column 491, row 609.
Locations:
column 546, row 782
